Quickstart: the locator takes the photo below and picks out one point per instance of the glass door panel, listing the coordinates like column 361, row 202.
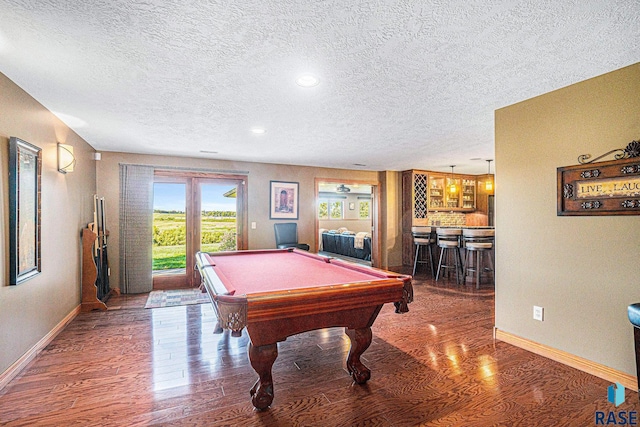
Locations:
column 218, row 217
column 453, row 192
column 169, row 228
column 436, row 192
column 468, row 193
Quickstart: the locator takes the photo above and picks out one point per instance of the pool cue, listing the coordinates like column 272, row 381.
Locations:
column 95, row 227
column 105, row 259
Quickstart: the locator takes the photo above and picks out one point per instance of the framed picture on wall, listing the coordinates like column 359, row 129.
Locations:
column 25, row 168
column 284, row 200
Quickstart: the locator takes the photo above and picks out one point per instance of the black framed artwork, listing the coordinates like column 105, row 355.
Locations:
column 25, row 170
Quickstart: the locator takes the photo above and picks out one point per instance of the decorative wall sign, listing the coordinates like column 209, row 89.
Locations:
column 604, row 188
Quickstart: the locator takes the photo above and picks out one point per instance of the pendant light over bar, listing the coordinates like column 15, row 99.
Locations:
column 452, row 184
column 488, row 185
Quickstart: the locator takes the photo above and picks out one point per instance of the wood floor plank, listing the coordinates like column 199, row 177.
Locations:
column 437, row 365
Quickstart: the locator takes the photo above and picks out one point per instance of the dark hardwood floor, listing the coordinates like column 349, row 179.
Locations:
column 437, row 365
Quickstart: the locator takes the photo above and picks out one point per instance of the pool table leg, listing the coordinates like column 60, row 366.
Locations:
column 360, row 341
column 262, row 358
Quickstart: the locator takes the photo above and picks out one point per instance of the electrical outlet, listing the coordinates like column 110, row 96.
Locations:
column 253, row 225
column 538, row 313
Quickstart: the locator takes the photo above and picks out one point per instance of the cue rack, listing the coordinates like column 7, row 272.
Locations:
column 95, row 260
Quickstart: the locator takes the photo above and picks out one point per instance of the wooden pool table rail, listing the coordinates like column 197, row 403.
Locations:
column 234, row 312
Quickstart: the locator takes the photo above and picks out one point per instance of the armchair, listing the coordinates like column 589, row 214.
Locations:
column 287, row 236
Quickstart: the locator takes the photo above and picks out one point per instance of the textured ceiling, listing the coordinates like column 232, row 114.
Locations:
column 403, row 84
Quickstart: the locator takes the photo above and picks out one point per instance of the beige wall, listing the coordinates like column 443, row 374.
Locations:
column 355, row 225
column 258, row 177
column 391, row 210
column 582, row 270
column 32, row 309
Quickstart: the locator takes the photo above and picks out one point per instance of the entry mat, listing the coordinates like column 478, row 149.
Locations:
column 172, row 298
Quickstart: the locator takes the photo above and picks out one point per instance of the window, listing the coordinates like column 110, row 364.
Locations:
column 323, row 210
column 330, row 209
column 364, row 209
column 336, row 209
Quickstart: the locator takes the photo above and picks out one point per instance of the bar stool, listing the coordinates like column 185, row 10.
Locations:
column 477, row 242
column 423, row 238
column 449, row 243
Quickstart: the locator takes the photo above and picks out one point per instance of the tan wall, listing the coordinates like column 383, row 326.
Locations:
column 257, row 185
column 355, row 225
column 582, row 270
column 391, row 209
column 31, row 310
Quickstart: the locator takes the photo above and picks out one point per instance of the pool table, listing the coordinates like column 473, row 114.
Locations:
column 279, row 293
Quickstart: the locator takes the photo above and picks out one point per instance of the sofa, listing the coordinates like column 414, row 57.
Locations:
column 347, row 243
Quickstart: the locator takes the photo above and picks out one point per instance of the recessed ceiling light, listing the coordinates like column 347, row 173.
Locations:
column 258, row 131
column 307, row 80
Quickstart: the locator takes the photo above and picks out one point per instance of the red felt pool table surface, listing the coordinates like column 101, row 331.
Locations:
column 278, row 270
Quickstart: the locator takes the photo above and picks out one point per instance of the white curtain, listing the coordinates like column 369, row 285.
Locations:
column 136, row 228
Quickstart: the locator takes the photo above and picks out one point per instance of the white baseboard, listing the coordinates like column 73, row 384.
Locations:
column 601, row 371
column 23, row 361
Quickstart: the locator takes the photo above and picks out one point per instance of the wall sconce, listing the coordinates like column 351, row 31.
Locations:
column 66, row 159
column 488, row 185
column 452, row 186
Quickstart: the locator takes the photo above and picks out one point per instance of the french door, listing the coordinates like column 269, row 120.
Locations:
column 194, row 212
